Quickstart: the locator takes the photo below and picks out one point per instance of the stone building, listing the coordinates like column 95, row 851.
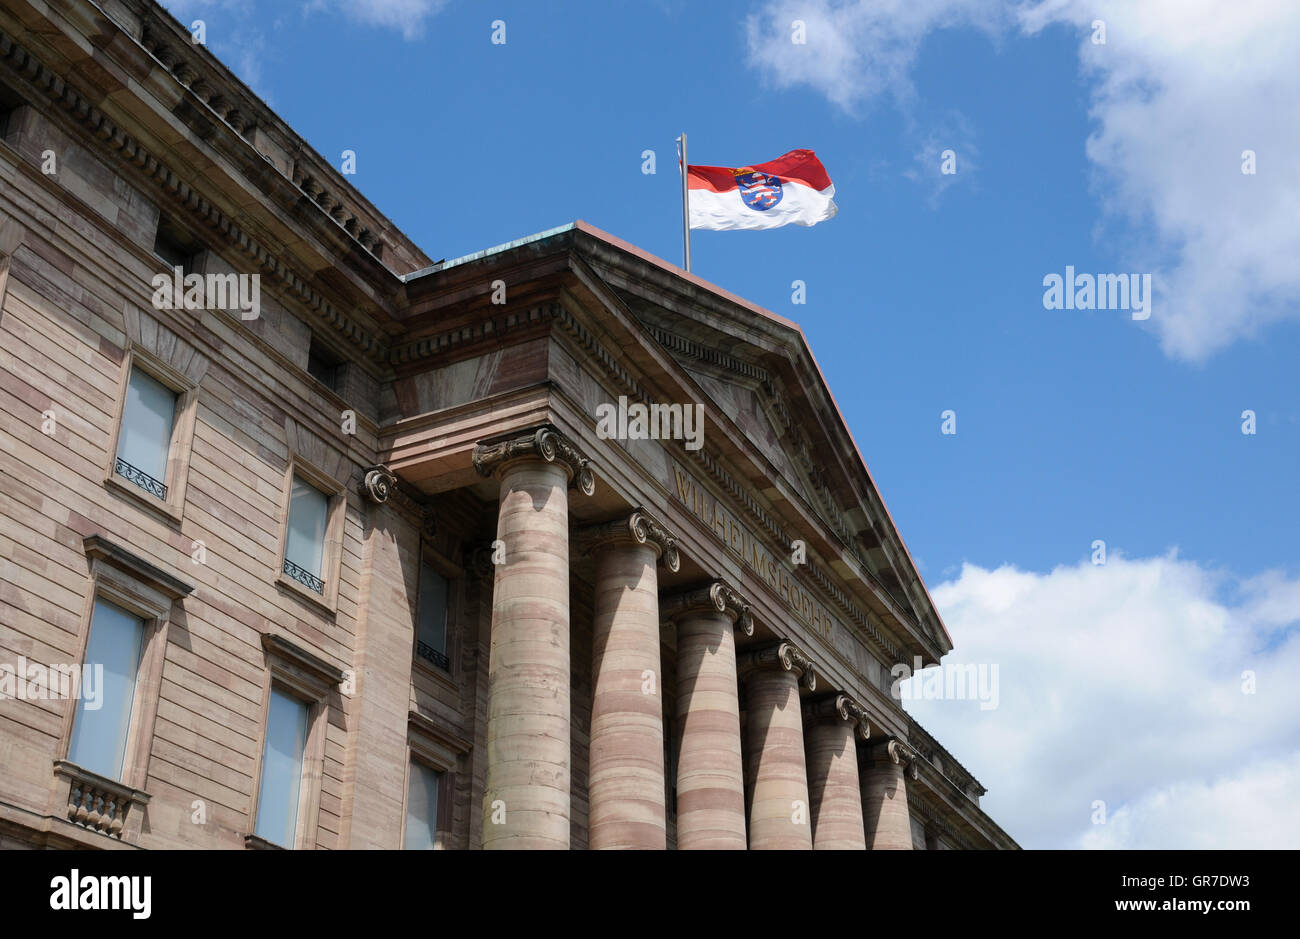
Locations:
column 309, row 541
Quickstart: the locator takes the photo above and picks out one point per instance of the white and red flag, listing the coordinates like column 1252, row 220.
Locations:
column 790, row 190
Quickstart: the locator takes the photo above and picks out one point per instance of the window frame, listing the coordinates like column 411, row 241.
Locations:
column 441, row 822
column 441, row 751
column 453, row 574
column 179, row 448
column 335, row 493
column 144, row 590
column 298, row 673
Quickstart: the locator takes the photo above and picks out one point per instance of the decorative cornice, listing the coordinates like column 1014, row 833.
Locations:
column 203, row 213
column 177, row 55
column 840, row 707
column 938, row 823
column 289, row 651
column 785, row 656
column 639, row 527
column 944, row 763
column 99, row 548
column 544, row 443
column 487, row 328
column 426, row 725
column 718, row 596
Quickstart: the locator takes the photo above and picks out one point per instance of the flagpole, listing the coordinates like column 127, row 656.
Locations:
column 686, row 206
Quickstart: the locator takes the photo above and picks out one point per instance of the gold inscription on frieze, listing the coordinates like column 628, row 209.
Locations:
column 742, row 542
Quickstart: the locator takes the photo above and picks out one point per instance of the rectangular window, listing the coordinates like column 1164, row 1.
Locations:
column 431, row 634
column 175, row 246
column 304, row 550
column 422, row 808
column 145, row 440
column 282, row 758
column 323, row 365
column 102, row 721
column 10, row 102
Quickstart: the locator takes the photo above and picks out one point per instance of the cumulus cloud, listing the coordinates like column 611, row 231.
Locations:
column 1158, row 688
column 856, row 51
column 1179, row 90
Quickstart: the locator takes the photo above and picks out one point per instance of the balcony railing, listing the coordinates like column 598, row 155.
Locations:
column 430, row 654
column 140, row 478
column 304, row 577
column 99, row 804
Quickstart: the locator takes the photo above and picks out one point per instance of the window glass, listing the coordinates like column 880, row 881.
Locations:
column 308, row 509
column 286, row 740
column 103, row 717
column 422, row 808
column 147, row 425
column 432, row 633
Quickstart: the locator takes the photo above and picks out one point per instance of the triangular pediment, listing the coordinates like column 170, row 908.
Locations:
column 760, row 388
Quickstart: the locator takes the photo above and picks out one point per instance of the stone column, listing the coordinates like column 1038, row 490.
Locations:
column 626, row 775
column 886, row 822
column 526, row 801
column 833, row 723
column 779, row 813
column 710, row 775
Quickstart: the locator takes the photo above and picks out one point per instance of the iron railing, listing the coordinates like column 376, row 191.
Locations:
column 304, row 577
column 140, row 478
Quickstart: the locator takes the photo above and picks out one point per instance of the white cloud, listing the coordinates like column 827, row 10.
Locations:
column 1179, row 90
column 1123, row 684
column 953, row 133
column 407, row 16
column 1257, row 806
column 855, row 51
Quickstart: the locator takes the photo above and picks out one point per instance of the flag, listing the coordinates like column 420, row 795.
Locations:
column 792, row 189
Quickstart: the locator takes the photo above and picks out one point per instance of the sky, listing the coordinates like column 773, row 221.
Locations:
column 1148, row 701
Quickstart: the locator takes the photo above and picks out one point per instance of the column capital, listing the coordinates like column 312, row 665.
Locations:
column 783, row 655
column 638, row 527
column 895, row 751
column 539, row 443
column 716, row 597
column 840, row 707
column 379, row 482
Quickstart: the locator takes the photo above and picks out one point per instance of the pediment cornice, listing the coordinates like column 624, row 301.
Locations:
column 175, row 192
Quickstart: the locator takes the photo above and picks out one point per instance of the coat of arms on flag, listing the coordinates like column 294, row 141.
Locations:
column 792, row 189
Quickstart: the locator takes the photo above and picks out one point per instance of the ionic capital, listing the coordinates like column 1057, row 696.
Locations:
column 840, row 707
column 542, row 443
column 639, row 527
column 785, row 656
column 895, row 751
column 378, row 483
column 716, row 597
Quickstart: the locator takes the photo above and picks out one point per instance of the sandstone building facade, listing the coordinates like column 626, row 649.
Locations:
column 317, row 543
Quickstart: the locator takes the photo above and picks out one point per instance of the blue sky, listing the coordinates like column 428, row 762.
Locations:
column 925, row 292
